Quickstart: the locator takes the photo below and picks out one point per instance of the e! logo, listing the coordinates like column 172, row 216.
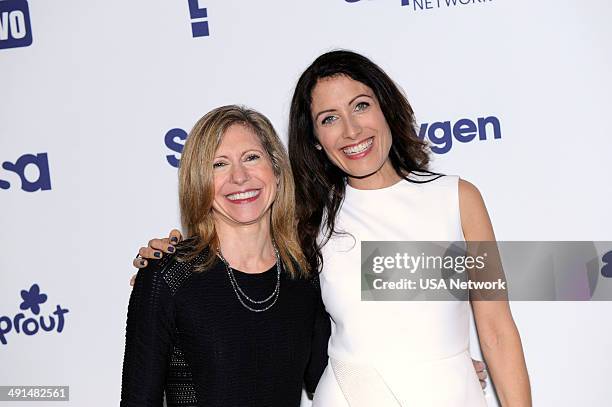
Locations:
column 199, row 28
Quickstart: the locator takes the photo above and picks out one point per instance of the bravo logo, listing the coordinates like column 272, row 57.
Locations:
column 40, row 182
column 15, row 28
column 34, row 323
column 442, row 134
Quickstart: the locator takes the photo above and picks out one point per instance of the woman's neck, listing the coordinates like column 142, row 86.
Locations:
column 384, row 177
column 247, row 248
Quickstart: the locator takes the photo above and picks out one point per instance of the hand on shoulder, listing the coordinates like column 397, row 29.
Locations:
column 155, row 250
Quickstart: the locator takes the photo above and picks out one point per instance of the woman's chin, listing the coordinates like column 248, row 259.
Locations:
column 364, row 168
column 243, row 218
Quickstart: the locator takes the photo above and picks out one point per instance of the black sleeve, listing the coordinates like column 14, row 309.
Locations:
column 320, row 338
column 148, row 340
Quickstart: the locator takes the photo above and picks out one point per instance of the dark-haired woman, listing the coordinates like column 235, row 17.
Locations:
column 352, row 127
column 360, row 168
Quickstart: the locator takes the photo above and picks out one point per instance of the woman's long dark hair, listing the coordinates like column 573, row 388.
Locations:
column 320, row 185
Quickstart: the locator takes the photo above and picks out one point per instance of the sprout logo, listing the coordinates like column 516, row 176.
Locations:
column 32, row 300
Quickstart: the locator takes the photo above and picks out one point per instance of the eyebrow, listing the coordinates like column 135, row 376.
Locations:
column 349, row 103
column 250, row 150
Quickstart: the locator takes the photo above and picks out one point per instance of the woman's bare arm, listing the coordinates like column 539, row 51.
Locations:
column 499, row 338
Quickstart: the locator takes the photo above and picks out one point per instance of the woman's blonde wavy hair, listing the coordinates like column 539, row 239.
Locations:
column 196, row 188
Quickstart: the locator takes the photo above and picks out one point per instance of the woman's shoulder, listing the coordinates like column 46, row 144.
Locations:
column 436, row 180
column 431, row 179
column 449, row 185
column 177, row 268
column 305, row 285
column 474, row 215
column 468, row 190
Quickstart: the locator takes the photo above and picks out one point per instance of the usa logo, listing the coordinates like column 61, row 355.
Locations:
column 39, row 161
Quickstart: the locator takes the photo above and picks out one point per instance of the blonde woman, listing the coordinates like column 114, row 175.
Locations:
column 232, row 317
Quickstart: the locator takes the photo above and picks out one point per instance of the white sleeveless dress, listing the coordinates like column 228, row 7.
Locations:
column 410, row 353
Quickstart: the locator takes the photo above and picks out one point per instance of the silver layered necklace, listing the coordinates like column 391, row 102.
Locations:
column 246, row 301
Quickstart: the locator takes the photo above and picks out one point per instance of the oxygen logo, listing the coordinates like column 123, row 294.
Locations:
column 32, row 324
column 442, row 134
column 40, row 161
column 199, row 27
column 15, row 27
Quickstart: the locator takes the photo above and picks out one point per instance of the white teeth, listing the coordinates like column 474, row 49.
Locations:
column 242, row 195
column 359, row 148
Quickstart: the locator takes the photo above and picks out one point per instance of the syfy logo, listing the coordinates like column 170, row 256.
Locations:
column 32, row 324
column 442, row 134
column 199, row 27
column 15, row 28
column 40, row 161
column 175, row 141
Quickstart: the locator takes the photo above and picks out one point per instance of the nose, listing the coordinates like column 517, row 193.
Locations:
column 352, row 128
column 239, row 174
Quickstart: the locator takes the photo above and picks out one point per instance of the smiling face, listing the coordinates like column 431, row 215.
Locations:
column 351, row 128
column 243, row 176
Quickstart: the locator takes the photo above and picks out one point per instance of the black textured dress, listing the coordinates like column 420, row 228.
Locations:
column 189, row 337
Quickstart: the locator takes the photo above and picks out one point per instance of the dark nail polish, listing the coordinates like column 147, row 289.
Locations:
column 174, row 240
column 142, row 263
column 157, row 254
column 171, row 249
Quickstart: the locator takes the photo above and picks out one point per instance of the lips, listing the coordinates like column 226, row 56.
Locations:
column 360, row 149
column 244, row 196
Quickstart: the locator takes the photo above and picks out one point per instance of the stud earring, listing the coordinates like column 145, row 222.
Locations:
column 318, row 147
